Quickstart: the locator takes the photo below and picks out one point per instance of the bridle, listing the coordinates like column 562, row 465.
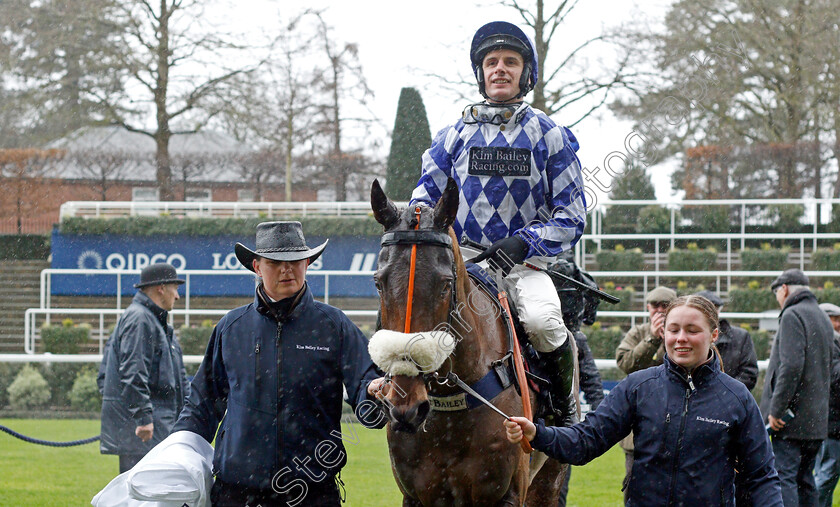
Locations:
column 415, row 237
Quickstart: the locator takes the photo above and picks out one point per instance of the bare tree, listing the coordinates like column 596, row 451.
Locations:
column 570, row 81
column 257, row 169
column 191, row 167
column 273, row 109
column 104, row 167
column 183, row 67
column 342, row 81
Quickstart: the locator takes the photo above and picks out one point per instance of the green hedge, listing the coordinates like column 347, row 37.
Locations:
column 194, row 339
column 751, row 300
column 173, row 226
column 828, row 295
column 825, row 259
column 620, row 260
column 24, row 247
column 64, row 339
column 692, row 259
column 603, row 341
column 764, row 259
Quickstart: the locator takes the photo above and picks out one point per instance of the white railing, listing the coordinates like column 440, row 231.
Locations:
column 720, row 276
column 31, row 329
column 46, row 280
column 671, row 238
column 113, row 209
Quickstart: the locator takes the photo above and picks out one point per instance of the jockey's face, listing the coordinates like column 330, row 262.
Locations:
column 502, row 69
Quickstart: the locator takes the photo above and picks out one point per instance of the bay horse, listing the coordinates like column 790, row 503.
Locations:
column 446, row 457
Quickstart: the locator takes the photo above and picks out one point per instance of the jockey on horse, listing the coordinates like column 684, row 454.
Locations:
column 521, row 192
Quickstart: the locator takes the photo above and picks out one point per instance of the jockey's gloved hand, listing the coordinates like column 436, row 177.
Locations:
column 504, row 254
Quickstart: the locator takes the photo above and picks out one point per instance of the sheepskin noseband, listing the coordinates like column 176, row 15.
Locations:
column 410, row 354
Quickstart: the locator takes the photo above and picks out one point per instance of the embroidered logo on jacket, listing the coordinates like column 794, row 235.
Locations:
column 313, row 347
column 715, row 421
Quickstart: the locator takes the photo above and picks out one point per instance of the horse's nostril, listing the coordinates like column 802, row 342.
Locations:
column 422, row 411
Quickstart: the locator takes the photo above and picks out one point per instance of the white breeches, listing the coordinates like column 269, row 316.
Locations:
column 538, row 305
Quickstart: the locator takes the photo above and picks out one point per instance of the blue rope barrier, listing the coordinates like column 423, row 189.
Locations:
column 47, row 442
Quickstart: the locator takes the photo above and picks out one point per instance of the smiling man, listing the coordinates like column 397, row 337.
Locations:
column 521, row 191
column 272, row 381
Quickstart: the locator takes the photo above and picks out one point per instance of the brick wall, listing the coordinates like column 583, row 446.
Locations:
column 36, row 201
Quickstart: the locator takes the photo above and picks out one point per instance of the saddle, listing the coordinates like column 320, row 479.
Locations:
column 535, row 369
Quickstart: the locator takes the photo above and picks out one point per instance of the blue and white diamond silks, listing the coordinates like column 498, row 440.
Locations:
column 547, row 208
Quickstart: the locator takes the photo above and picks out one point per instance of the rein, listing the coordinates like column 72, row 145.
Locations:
column 414, row 237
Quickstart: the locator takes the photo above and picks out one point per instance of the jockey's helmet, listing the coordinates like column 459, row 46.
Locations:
column 503, row 35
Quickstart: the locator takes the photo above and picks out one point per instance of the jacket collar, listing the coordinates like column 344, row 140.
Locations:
column 304, row 298
column 724, row 330
column 798, row 297
column 700, row 374
column 142, row 299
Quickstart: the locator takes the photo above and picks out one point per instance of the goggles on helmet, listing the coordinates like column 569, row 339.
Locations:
column 494, row 114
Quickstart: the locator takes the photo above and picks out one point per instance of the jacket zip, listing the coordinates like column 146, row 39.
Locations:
column 680, row 435
column 278, row 456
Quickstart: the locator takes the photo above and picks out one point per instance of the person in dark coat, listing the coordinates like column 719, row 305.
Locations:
column 735, row 346
column 272, row 382
column 827, row 469
column 690, row 423
column 798, row 379
column 142, row 377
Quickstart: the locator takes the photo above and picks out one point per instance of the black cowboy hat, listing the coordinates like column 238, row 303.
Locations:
column 157, row 274
column 279, row 241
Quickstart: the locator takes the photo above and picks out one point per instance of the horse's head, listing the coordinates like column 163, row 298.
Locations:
column 416, row 277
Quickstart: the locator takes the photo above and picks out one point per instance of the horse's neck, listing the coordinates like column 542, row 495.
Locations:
column 480, row 332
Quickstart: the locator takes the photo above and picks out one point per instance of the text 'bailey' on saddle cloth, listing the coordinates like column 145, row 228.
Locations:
column 499, row 161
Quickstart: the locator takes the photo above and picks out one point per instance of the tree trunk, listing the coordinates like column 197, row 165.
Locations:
column 163, row 134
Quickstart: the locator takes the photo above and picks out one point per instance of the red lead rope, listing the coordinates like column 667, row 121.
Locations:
column 410, row 296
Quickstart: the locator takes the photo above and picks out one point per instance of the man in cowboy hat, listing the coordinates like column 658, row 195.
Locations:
column 273, row 376
column 142, row 377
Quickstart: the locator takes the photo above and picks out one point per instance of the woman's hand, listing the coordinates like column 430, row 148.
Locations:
column 516, row 427
column 378, row 385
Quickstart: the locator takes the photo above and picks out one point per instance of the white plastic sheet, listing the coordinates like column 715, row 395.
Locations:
column 175, row 472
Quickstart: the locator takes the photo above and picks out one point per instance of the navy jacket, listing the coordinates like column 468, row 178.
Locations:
column 738, row 353
column 688, row 430
column 281, row 385
column 141, row 378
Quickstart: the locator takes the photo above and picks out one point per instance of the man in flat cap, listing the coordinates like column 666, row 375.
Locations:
column 272, row 383
column 827, row 469
column 142, row 377
column 798, row 378
column 642, row 347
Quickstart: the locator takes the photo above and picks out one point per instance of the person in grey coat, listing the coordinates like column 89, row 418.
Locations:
column 142, row 377
column 798, row 378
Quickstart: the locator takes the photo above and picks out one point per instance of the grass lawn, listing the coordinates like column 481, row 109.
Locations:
column 49, row 476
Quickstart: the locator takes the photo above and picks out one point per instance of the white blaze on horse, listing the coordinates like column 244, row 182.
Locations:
column 446, row 448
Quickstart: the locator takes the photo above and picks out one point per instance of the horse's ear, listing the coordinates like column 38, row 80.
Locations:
column 384, row 211
column 447, row 206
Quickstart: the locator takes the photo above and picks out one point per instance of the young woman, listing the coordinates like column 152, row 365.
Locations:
column 690, row 421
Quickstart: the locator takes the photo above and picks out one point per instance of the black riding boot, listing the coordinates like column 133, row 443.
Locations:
column 561, row 364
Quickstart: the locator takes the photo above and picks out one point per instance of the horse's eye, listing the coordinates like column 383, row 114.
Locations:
column 378, row 286
column 446, row 288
